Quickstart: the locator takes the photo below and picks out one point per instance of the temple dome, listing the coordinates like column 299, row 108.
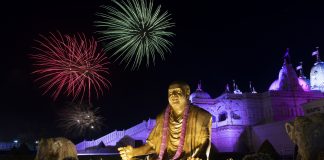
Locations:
column 199, row 93
column 302, row 80
column 274, row 86
column 304, row 83
column 317, row 76
column 288, row 79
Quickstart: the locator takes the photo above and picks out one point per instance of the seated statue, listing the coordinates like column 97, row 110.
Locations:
column 181, row 132
column 308, row 134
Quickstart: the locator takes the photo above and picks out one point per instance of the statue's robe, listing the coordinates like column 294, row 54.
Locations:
column 197, row 138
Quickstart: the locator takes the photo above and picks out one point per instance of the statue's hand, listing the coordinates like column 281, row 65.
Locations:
column 126, row 153
column 192, row 158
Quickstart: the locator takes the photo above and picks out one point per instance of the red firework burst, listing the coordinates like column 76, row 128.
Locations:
column 70, row 64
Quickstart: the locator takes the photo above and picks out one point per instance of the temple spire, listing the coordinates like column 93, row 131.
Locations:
column 227, row 89
column 287, row 57
column 300, row 69
column 237, row 90
column 252, row 88
column 199, row 86
column 254, row 91
column 316, row 53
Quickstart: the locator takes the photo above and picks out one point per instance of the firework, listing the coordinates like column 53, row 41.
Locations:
column 70, row 64
column 135, row 31
column 80, row 118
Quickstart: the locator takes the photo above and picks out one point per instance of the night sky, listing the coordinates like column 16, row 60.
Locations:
column 215, row 42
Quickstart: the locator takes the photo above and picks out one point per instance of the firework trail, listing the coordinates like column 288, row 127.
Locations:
column 134, row 30
column 80, row 118
column 72, row 65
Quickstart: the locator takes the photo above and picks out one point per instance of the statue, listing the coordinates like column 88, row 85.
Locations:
column 308, row 134
column 182, row 131
column 56, row 149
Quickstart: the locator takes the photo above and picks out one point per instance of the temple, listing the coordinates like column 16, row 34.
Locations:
column 243, row 121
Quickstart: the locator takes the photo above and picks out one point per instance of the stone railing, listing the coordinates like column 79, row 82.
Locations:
column 136, row 129
column 107, row 139
column 113, row 137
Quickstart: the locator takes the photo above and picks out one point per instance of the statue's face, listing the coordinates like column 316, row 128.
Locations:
column 177, row 98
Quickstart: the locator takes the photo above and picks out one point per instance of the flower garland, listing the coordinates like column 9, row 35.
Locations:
column 165, row 133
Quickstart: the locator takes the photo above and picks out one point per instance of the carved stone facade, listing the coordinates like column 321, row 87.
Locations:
column 243, row 121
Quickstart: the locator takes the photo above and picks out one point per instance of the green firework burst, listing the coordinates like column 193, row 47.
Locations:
column 134, row 30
